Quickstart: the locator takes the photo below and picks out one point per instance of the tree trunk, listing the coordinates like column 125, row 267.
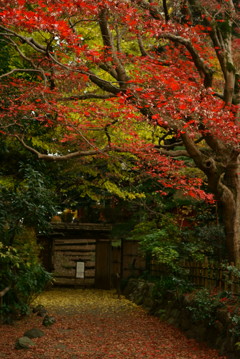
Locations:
column 228, row 195
column 230, row 213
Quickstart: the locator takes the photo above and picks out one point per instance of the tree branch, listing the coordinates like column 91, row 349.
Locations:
column 141, row 47
column 61, row 157
column 203, row 69
column 176, row 153
column 19, row 70
column 29, row 40
column 151, row 7
column 165, row 9
column 198, row 157
column 103, row 84
column 108, row 43
column 86, row 97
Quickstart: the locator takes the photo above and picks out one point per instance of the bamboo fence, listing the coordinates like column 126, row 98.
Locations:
column 207, row 274
column 214, row 275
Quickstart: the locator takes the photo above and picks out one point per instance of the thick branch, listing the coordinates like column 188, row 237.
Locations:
column 19, row 51
column 176, row 153
column 29, row 40
column 19, row 70
column 86, row 96
column 215, row 144
column 204, row 70
column 151, row 7
column 61, row 157
column 194, row 153
column 108, row 43
column 221, row 37
column 103, row 84
column 4, row 291
column 223, row 50
column 141, row 47
column 165, row 9
column 106, row 67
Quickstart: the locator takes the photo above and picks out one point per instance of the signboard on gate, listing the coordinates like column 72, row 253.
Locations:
column 80, row 270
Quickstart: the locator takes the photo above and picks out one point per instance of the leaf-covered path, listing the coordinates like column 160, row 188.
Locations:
column 95, row 324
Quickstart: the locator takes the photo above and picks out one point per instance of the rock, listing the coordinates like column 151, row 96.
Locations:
column 185, row 320
column 40, row 310
column 37, row 308
column 223, row 316
column 24, row 343
column 175, row 313
column 139, row 299
column 171, row 321
column 200, row 331
column 8, row 319
column 48, row 321
column 148, row 303
column 42, row 313
column 219, row 327
column 34, row 333
column 130, row 287
column 227, row 346
column 160, row 312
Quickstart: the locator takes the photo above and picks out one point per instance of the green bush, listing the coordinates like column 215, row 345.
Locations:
column 25, row 277
column 159, row 241
column 172, row 284
column 235, row 319
column 203, row 306
column 27, row 204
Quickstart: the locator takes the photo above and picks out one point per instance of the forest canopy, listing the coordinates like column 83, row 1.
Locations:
column 151, row 87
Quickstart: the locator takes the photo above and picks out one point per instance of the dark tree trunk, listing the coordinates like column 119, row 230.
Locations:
column 228, row 195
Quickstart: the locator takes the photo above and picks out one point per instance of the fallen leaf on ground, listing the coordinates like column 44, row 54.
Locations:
column 95, row 324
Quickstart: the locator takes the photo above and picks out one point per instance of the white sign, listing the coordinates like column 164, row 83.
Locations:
column 80, row 270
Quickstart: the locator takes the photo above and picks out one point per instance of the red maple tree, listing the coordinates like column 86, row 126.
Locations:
column 136, row 67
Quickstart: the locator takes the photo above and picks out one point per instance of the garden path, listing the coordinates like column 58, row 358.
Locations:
column 95, row 324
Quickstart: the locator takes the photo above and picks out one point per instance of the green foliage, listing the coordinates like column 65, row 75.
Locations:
column 97, row 180
column 171, row 283
column 211, row 233
column 142, row 229
column 235, row 319
column 26, row 206
column 4, row 56
column 205, row 240
column 231, row 270
column 28, row 202
column 26, row 278
column 203, row 236
column 166, row 254
column 25, row 242
column 159, row 240
column 203, row 306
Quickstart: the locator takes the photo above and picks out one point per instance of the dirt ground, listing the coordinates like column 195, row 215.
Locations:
column 95, row 324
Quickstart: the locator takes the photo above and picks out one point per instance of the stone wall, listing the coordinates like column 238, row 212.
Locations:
column 174, row 310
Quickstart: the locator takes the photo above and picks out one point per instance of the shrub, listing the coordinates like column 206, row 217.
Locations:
column 172, row 284
column 25, row 277
column 27, row 204
column 203, row 306
column 159, row 241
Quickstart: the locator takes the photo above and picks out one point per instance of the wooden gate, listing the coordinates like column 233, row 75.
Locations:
column 82, row 255
column 79, row 254
column 103, row 264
